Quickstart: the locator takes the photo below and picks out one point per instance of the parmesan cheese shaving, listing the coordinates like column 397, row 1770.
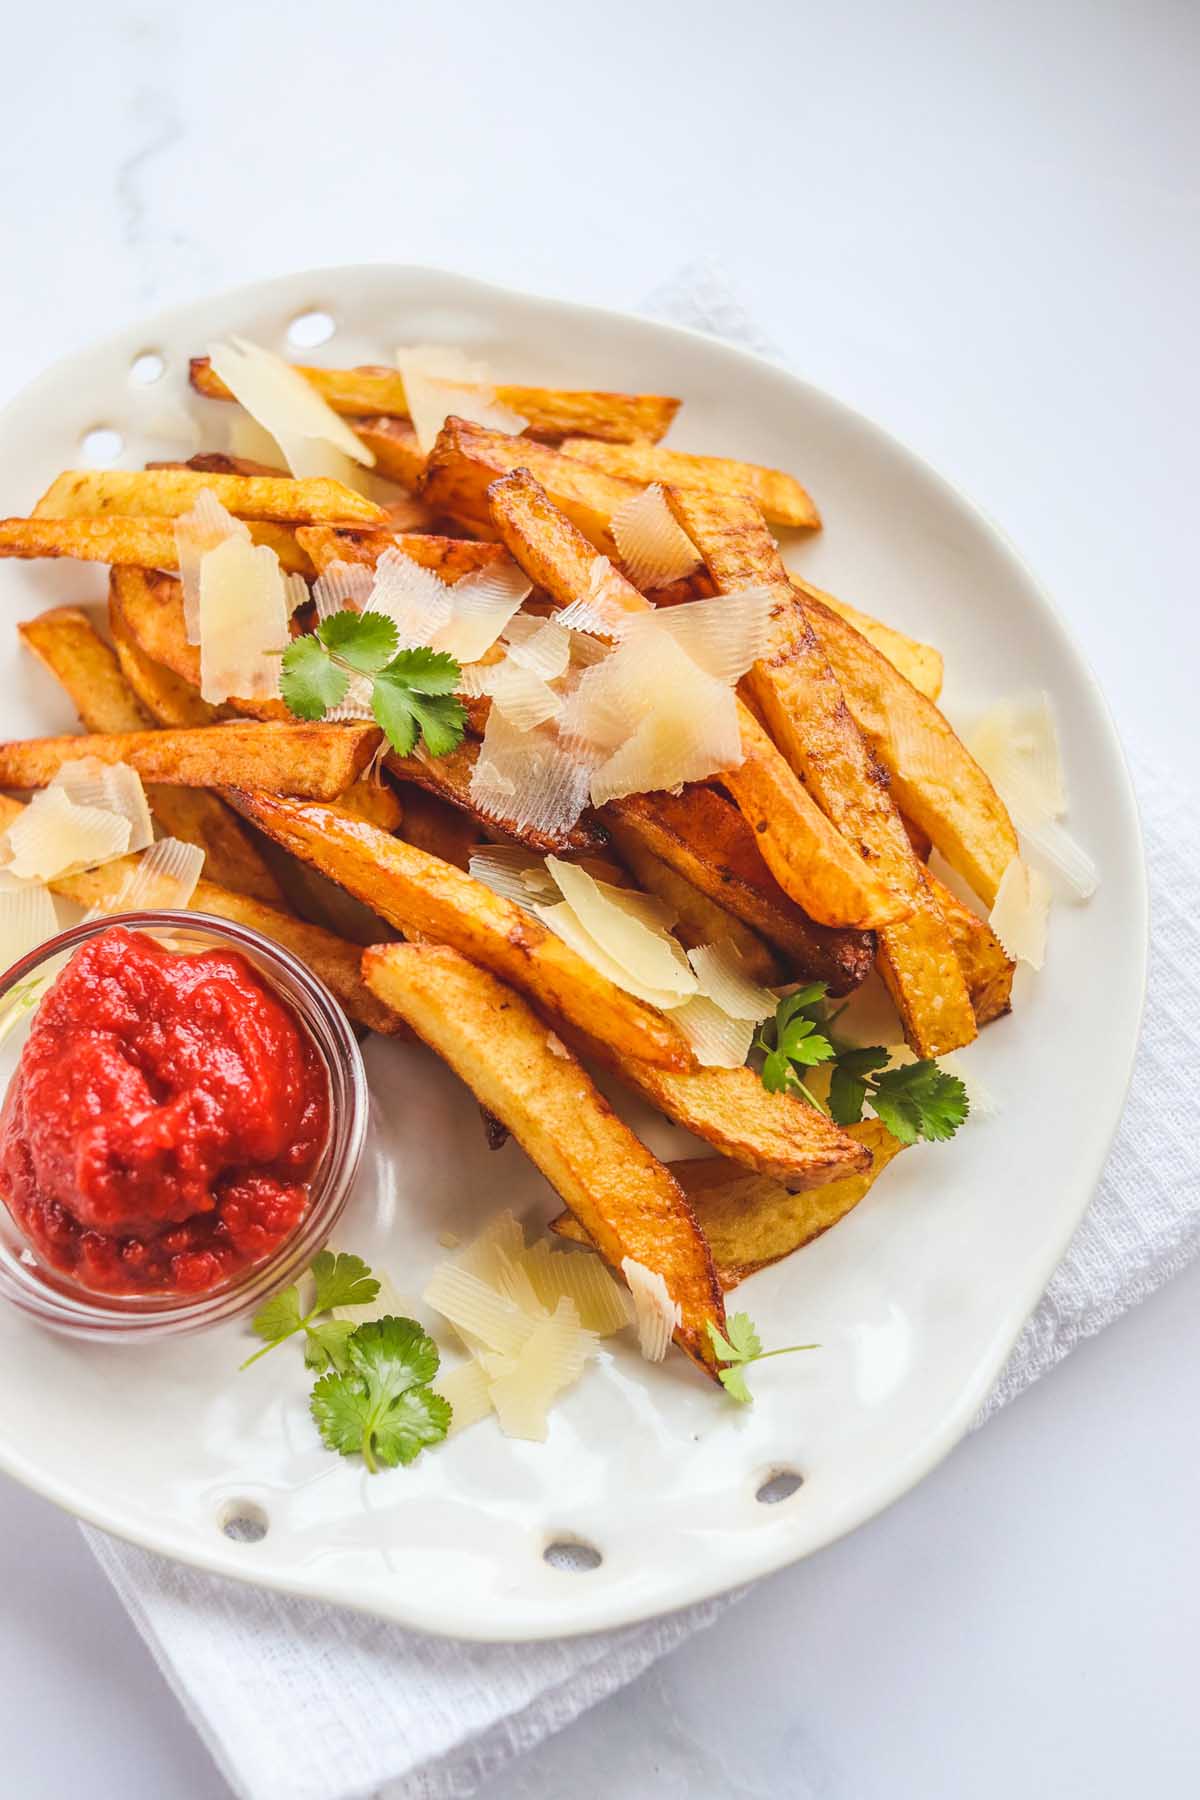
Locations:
column 1020, row 913
column 501, row 1239
column 523, row 697
column 466, row 1389
column 481, row 606
column 652, row 959
column 477, row 1312
column 563, row 922
column 653, row 548
column 551, row 1359
column 723, row 635
column 603, row 1306
column 55, row 837
column 415, row 599
column 163, row 881
column 1016, row 744
column 667, row 751
column 27, row 919
column 440, row 380
column 527, row 780
column 515, row 874
column 722, row 976
column 243, row 622
column 343, row 586
column 717, row 1040
column 112, row 788
column 656, row 1315
column 542, row 646
column 313, row 439
column 196, row 533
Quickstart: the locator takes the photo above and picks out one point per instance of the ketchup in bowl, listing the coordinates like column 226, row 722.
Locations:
column 164, row 1121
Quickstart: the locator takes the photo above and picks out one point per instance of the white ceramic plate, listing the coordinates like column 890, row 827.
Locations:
column 916, row 1298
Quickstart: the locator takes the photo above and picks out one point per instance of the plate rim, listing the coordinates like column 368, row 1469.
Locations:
column 956, row 1421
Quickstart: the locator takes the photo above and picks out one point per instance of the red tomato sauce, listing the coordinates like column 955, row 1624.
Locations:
column 166, row 1115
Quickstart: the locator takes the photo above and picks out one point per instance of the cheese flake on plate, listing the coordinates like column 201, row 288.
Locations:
column 723, row 635
column 477, row 1311
column 718, row 1041
column 440, row 380
column 27, row 919
column 244, row 621
column 1016, row 745
column 414, row 598
column 313, row 439
column 543, row 646
column 466, row 1388
column 653, row 547
column 656, row 1314
column 551, row 1359
column 481, row 606
column 54, row 836
column 1020, row 914
column 515, row 874
column 112, row 788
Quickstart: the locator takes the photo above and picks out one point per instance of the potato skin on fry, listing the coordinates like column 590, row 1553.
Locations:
column 426, row 898
column 315, row 761
column 783, row 500
column 141, row 542
column 467, row 458
column 168, row 493
column 626, row 1199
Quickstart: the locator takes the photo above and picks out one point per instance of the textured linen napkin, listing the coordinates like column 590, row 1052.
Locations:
column 279, row 1688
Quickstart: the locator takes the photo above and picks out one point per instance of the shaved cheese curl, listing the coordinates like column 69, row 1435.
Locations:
column 653, row 547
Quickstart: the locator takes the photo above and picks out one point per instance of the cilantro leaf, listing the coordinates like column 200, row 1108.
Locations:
column 278, row 1317
column 847, row 1093
column 442, row 719
column 920, row 1100
column 342, row 1280
column 381, row 1407
column 325, row 1344
column 734, row 1382
column 741, row 1347
column 426, row 671
column 364, row 640
column 309, row 682
column 405, row 710
column 339, row 1280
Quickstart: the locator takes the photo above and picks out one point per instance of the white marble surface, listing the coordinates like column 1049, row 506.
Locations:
column 978, row 223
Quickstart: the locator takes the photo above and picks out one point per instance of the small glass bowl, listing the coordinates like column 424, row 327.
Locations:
column 51, row 1297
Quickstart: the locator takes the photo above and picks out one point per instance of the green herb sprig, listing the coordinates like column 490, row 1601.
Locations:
column 738, row 1348
column 914, row 1100
column 338, row 1281
column 413, row 694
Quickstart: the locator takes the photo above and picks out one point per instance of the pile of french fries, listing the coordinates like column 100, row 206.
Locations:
column 810, row 856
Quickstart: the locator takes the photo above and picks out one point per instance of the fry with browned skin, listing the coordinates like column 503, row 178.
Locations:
column 750, row 1220
column 168, row 493
column 425, row 897
column 987, row 967
column 317, row 762
column 146, row 609
column 467, row 459
column 396, row 449
column 934, row 778
column 805, row 852
column 97, row 683
column 448, row 557
column 802, row 705
column 551, row 412
column 438, row 828
column 782, row 499
column 626, row 1200
column 917, row 662
column 142, row 543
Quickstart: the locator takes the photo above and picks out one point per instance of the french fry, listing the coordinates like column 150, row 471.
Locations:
column 698, row 918
column 220, row 462
column 424, row 897
column 934, row 778
column 106, row 700
column 166, row 697
column 625, row 1198
column 551, row 412
column 782, row 499
column 449, row 777
column 449, row 557
column 375, row 801
column 750, row 1220
column 168, row 493
column 919, row 663
column 438, row 828
column 987, row 968
column 803, row 708
column 808, row 857
column 467, row 459
column 140, row 542
column 316, row 761
column 705, row 840
column 146, row 609
column 393, row 443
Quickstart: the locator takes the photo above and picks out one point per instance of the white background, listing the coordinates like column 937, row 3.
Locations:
column 980, row 225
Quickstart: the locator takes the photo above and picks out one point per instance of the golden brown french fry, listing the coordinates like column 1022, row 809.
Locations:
column 146, row 609
column 627, row 1201
column 698, row 918
column 917, row 662
column 808, row 857
column 165, row 696
column 143, row 543
column 782, row 499
column 167, row 493
column 704, row 838
column 803, row 708
column 106, row 700
column 467, row 459
column 427, row 898
column 438, row 828
column 316, row 761
column 394, row 445
column 986, row 965
column 446, row 556
column 934, row 778
column 551, row 412
column 750, row 1220
column 220, row 462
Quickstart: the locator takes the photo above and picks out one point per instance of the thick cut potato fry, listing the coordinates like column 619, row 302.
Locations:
column 164, row 695
column 448, row 557
column 220, row 462
column 934, row 778
column 167, row 493
column 375, row 801
column 318, row 762
column 986, row 965
column 803, row 708
column 146, row 609
column 698, row 918
column 552, row 412
column 704, row 838
column 805, row 852
column 624, row 1197
column 438, row 828
column 97, row 684
column 783, row 500
column 140, row 543
column 424, row 897
column 917, row 662
column 394, row 445
column 750, row 1220
column 467, row 459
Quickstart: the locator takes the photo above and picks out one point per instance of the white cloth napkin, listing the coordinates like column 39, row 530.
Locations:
column 299, row 1701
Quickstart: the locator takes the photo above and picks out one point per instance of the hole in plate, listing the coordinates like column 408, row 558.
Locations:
column 147, row 368
column 102, row 444
column 572, row 1556
column 309, row 329
column 779, row 1486
column 244, row 1521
